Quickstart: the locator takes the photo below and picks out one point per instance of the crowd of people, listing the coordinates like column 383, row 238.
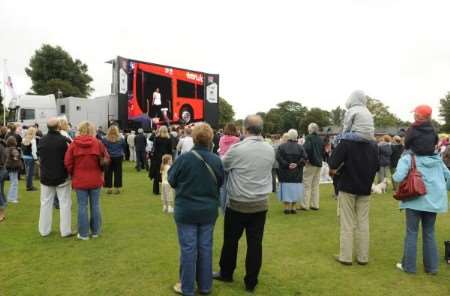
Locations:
column 198, row 171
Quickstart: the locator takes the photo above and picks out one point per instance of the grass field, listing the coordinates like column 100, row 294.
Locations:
column 137, row 253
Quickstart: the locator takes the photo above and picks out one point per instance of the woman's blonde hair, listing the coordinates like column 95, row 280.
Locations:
column 202, row 134
column 86, row 128
column 113, row 134
column 284, row 138
column 63, row 124
column 29, row 136
column 164, row 132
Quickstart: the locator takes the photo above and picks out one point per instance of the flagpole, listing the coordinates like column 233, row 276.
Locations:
column 4, row 90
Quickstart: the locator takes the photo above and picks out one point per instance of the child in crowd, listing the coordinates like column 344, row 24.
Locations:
column 167, row 190
column 421, row 138
column 13, row 165
column 358, row 121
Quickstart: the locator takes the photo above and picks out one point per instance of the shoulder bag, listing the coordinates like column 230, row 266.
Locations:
column 412, row 186
column 211, row 171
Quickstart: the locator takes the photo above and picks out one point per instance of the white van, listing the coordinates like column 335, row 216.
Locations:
column 33, row 109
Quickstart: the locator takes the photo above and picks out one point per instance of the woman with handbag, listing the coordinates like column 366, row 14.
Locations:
column 196, row 177
column 85, row 160
column 422, row 207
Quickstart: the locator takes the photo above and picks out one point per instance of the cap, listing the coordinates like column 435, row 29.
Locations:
column 423, row 111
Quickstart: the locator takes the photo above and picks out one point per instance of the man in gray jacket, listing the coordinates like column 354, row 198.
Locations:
column 249, row 164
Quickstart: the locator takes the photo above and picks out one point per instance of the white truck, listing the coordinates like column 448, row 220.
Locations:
column 33, row 109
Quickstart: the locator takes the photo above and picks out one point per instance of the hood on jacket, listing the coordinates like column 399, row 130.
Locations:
column 229, row 139
column 431, row 161
column 85, row 141
column 357, row 98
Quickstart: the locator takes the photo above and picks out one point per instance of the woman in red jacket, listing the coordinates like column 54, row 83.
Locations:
column 83, row 162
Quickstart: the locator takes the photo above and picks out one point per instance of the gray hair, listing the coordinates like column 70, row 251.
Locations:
column 253, row 124
column 292, row 135
column 313, row 128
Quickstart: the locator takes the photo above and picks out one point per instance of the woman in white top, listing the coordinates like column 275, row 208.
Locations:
column 186, row 143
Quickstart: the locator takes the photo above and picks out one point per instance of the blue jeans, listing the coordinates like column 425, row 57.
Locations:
column 91, row 196
column 3, row 202
column 13, row 193
column 196, row 241
column 29, row 170
column 430, row 252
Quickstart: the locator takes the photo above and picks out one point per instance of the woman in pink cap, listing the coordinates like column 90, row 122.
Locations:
column 421, row 138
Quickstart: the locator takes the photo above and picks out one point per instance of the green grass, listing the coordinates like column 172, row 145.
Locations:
column 137, row 253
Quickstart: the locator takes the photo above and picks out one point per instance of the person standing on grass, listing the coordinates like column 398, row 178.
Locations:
column 3, row 174
column 130, row 141
column 397, row 151
column 385, row 152
column 422, row 139
column 196, row 177
column 249, row 164
column 162, row 145
column 82, row 161
column 29, row 156
column 357, row 162
column 291, row 158
column 13, row 166
column 55, row 182
column 114, row 144
column 311, row 176
column 140, row 143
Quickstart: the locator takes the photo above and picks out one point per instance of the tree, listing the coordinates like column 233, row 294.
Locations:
column 337, row 116
column 381, row 115
column 444, row 112
column 226, row 112
column 316, row 115
column 52, row 69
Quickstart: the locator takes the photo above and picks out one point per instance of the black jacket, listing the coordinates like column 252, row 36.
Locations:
column 385, row 152
column 421, row 138
column 358, row 164
column 290, row 152
column 314, row 149
column 52, row 148
column 140, row 142
column 397, row 150
column 161, row 146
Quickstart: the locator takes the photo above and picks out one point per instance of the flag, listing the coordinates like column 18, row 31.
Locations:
column 9, row 96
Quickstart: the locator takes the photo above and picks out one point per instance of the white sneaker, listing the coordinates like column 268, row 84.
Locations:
column 82, row 237
column 13, row 201
column 165, row 209
column 94, row 236
column 399, row 266
column 170, row 209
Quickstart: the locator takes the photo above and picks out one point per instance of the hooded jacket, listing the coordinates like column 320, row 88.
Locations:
column 82, row 162
column 421, row 138
column 436, row 177
column 52, row 149
column 358, row 118
column 385, row 153
column 226, row 142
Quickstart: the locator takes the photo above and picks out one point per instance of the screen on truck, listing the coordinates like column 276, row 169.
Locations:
column 157, row 94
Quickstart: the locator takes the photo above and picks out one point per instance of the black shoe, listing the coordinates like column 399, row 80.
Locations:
column 250, row 289
column 218, row 277
column 287, row 212
column 314, row 209
column 32, row 189
column 362, row 263
column 293, row 211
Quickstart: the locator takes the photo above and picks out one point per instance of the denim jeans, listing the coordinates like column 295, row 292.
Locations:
column 196, row 242
column 3, row 202
column 91, row 196
column 13, row 193
column 29, row 170
column 430, row 252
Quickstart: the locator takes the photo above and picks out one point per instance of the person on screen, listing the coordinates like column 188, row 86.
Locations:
column 156, row 104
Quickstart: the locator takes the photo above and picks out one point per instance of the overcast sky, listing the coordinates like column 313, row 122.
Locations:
column 314, row 52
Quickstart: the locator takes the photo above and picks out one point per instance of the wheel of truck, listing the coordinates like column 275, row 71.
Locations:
column 186, row 114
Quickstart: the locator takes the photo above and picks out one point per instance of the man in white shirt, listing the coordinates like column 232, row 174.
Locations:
column 186, row 143
column 155, row 106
